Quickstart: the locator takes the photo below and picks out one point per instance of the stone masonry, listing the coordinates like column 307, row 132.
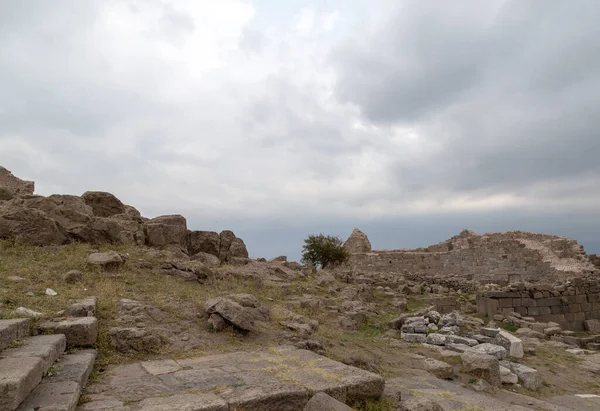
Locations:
column 499, row 258
column 568, row 304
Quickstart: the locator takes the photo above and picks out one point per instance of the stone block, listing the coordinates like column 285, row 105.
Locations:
column 533, row 311
column 592, row 326
column 557, row 309
column 11, row 330
column 574, row 308
column 528, row 302
column 414, row 338
column 548, row 302
column 490, row 332
column 516, row 302
column 582, row 298
column 512, row 344
column 46, row 347
column 58, row 396
column 323, row 402
column 19, row 377
column 80, row 332
column 521, row 310
column 594, row 298
column 586, row 307
column 483, row 366
column 530, row 377
column 545, row 311
column 505, row 302
column 82, row 308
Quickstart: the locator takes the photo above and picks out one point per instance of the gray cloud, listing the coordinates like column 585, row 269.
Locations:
column 429, row 118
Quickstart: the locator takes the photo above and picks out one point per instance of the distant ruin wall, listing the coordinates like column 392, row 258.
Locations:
column 568, row 305
column 501, row 258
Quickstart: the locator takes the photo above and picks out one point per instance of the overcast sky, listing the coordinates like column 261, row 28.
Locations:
column 408, row 119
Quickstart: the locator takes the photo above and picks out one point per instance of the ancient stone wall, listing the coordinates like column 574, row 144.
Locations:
column 500, row 258
column 567, row 304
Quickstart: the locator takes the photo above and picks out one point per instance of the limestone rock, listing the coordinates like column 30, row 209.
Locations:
column 203, row 242
column 483, row 366
column 530, row 377
column 225, row 240
column 512, row 344
column 73, row 276
column 207, row 259
column 103, row 204
column 507, row 376
column 110, row 260
column 491, row 349
column 30, row 226
column 80, row 332
column 167, row 230
column 231, row 311
column 13, row 186
column 217, row 322
column 27, row 312
column 358, row 242
column 593, row 326
column 438, row 368
column 237, row 249
column 323, row 402
column 82, row 308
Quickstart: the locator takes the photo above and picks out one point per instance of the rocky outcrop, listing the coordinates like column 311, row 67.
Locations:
column 358, row 242
column 103, row 204
column 11, row 186
column 98, row 217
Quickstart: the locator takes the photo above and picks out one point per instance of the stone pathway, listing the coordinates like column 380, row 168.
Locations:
column 277, row 379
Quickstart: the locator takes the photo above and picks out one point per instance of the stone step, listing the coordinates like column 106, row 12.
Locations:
column 11, row 330
column 80, row 331
column 61, row 388
column 22, row 367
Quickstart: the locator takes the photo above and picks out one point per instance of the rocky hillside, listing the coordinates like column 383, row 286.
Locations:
column 101, row 218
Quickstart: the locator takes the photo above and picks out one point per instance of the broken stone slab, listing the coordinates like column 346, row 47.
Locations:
column 528, row 332
column 507, row 376
column 18, row 378
column 456, row 339
column 82, row 308
column 489, row 332
column 530, row 377
column 323, row 402
column 80, row 332
column 482, row 339
column 512, row 344
column 46, row 347
column 436, row 339
column 459, row 348
column 438, row 368
column 413, row 338
column 491, row 349
column 550, row 331
column 15, row 329
column 483, row 366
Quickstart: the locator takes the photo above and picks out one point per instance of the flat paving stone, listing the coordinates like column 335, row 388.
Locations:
column 276, row 379
column 159, row 367
column 184, row 402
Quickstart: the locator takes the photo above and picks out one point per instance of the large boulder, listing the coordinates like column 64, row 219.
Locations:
column 103, row 204
column 167, row 230
column 358, row 242
column 225, row 240
column 30, row 226
column 237, row 250
column 204, row 242
column 233, row 312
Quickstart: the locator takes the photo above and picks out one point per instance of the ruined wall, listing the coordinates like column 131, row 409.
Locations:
column 499, row 258
column 567, row 304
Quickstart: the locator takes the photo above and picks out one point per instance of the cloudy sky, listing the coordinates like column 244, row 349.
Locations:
column 409, row 119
